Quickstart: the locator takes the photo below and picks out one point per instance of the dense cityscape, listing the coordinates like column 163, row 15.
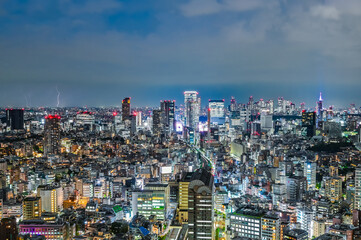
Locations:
column 216, row 169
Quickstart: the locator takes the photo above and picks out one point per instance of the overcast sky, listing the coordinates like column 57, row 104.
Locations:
column 95, row 52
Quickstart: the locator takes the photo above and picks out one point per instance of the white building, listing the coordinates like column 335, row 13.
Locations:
column 192, row 105
column 310, row 174
column 358, row 188
column 51, row 198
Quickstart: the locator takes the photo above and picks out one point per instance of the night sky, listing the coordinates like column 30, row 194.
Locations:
column 95, row 52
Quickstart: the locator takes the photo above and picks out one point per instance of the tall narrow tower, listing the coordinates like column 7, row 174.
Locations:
column 319, row 110
column 192, row 109
column 126, row 109
column 52, row 135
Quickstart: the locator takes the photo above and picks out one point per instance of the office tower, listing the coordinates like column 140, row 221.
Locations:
column 51, row 198
column 266, row 121
column 246, row 222
column 278, row 193
column 139, row 119
column 270, row 227
column 250, row 103
column 158, row 120
column 133, row 124
column 319, row 111
column 168, row 108
column 358, row 188
column 217, row 113
column 280, row 105
column 270, row 106
column 296, row 187
column 333, row 188
column 200, row 205
column 126, row 109
column 15, row 119
column 52, row 135
column 183, row 197
column 153, row 200
column 32, row 208
column 85, row 120
column 310, row 174
column 308, row 124
column 233, row 106
column 192, row 105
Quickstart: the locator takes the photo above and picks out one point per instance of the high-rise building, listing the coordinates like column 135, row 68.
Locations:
column 333, row 188
column 310, row 174
column 126, row 109
column 192, row 105
column 32, row 208
column 270, row 227
column 358, row 188
column 51, row 198
column 168, row 108
column 85, row 120
column 319, row 111
column 153, row 200
column 296, row 186
column 246, row 222
column 15, row 119
column 308, row 124
column 319, row 227
column 200, row 206
column 183, row 197
column 233, row 106
column 52, row 135
column 158, row 120
column 133, row 124
column 217, row 111
column 139, row 119
column 304, row 217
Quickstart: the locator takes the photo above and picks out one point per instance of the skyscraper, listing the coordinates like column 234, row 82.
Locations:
column 168, row 108
column 217, row 113
column 310, row 174
column 183, row 197
column 192, row 105
column 200, row 205
column 319, row 110
column 15, row 119
column 233, row 106
column 126, row 109
column 308, row 124
column 358, row 188
column 158, row 116
column 52, row 135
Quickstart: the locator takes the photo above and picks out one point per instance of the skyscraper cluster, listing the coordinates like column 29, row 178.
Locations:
column 261, row 169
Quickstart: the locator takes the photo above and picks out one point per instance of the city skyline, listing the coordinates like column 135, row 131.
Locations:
column 179, row 101
column 94, row 53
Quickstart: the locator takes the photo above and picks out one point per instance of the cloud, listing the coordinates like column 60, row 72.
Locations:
column 207, row 7
column 327, row 12
column 284, row 46
column 94, row 7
